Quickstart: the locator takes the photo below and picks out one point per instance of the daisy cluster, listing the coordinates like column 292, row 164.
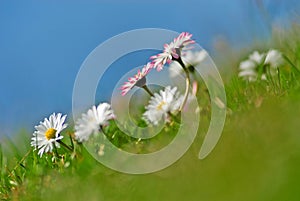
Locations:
column 162, row 106
column 47, row 135
column 261, row 65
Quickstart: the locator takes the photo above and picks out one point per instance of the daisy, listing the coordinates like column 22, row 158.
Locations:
column 138, row 80
column 191, row 60
column 274, row 58
column 47, row 134
column 161, row 59
column 257, row 57
column 162, row 105
column 92, row 121
column 172, row 51
column 247, row 65
column 182, row 41
column 250, row 75
column 249, row 68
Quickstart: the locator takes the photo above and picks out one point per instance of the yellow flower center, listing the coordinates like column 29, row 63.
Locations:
column 50, row 133
column 161, row 104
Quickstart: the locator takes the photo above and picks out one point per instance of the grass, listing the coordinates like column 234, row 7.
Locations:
column 257, row 157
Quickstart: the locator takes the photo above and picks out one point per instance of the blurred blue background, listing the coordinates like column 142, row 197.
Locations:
column 43, row 43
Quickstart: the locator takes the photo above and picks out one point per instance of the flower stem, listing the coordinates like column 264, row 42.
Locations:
column 101, row 129
column 71, row 140
column 279, row 79
column 270, row 77
column 187, row 89
column 66, row 146
column 187, row 83
column 147, row 90
column 174, row 117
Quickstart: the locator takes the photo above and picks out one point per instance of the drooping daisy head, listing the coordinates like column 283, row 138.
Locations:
column 138, row 80
column 161, row 59
column 182, row 41
column 191, row 60
column 92, row 121
column 172, row 51
column 257, row 57
column 250, row 75
column 274, row 58
column 248, row 70
column 162, row 104
column 47, row 133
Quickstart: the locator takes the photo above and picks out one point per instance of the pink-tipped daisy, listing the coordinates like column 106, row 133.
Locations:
column 138, row 80
column 172, row 50
column 161, row 59
column 182, row 41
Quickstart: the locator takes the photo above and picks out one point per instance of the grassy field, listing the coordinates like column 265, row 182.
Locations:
column 257, row 157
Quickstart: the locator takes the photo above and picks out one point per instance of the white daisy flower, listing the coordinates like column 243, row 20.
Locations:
column 172, row 50
column 191, row 60
column 256, row 57
column 250, row 75
column 274, row 58
column 47, row 134
column 249, row 68
column 162, row 104
column 92, row 121
column 247, row 65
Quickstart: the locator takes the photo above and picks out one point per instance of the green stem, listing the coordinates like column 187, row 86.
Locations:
column 147, row 90
column 187, row 89
column 270, row 77
column 103, row 131
column 187, row 83
column 66, row 146
column 279, row 81
column 71, row 140
column 174, row 117
column 291, row 63
column 19, row 163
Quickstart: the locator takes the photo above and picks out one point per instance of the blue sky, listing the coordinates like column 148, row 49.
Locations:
column 43, row 43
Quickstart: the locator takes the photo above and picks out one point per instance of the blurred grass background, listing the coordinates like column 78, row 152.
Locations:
column 257, row 158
